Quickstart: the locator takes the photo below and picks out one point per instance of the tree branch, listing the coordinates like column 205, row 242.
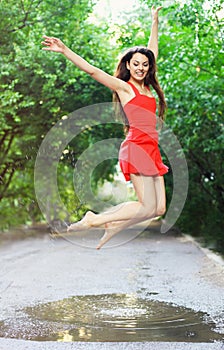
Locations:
column 202, row 172
column 26, row 15
column 7, row 183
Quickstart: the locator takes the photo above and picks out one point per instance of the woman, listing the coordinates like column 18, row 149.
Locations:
column 139, row 155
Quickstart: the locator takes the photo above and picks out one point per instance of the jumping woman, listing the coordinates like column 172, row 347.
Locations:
column 139, row 155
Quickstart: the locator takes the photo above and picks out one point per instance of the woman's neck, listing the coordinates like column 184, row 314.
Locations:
column 138, row 84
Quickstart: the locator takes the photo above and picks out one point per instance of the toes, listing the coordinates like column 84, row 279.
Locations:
column 104, row 240
column 78, row 226
column 83, row 224
column 100, row 244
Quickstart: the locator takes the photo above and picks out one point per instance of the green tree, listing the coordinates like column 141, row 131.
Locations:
column 191, row 72
column 38, row 88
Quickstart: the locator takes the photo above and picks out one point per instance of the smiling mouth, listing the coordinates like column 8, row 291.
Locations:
column 140, row 75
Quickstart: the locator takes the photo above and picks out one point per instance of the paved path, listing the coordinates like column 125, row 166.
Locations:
column 170, row 269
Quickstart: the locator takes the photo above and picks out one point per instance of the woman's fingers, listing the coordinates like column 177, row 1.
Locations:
column 51, row 43
column 50, row 40
column 45, row 43
column 47, row 38
column 156, row 9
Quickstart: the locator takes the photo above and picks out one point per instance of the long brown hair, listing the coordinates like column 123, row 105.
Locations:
column 124, row 74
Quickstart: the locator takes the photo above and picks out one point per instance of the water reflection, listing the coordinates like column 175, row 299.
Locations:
column 113, row 318
column 64, row 337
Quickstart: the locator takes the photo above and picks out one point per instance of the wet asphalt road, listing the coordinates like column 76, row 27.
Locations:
column 17, row 345
column 170, row 269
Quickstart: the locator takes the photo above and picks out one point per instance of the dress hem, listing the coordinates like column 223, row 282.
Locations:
column 161, row 173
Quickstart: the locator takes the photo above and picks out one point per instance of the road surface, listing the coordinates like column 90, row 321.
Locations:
column 168, row 269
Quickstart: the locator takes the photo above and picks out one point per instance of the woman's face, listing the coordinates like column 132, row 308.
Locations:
column 138, row 66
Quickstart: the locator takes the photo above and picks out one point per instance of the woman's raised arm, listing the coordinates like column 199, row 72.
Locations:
column 153, row 39
column 56, row 45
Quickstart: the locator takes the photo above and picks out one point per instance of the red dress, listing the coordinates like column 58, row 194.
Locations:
column 139, row 152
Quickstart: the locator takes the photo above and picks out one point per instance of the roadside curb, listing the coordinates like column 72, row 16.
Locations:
column 215, row 257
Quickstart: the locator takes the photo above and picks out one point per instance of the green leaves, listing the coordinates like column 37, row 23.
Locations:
column 38, row 88
column 190, row 70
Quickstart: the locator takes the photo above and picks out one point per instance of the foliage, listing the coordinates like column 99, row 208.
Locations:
column 38, row 88
column 191, row 71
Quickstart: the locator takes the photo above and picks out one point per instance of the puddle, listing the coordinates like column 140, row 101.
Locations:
column 110, row 318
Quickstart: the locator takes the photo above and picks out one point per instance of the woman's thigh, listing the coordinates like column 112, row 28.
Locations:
column 145, row 189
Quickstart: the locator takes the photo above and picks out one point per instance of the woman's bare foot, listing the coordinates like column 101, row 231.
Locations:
column 110, row 230
column 83, row 224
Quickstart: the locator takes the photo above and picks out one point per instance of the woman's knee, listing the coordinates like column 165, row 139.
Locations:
column 148, row 212
column 161, row 210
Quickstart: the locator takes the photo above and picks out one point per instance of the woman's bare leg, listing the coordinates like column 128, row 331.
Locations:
column 160, row 205
column 142, row 209
column 115, row 227
column 160, row 195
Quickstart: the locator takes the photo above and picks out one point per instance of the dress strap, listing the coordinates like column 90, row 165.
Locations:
column 134, row 88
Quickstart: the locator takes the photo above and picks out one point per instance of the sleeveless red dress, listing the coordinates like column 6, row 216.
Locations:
column 139, row 152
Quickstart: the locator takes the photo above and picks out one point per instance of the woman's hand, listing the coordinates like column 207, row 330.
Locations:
column 53, row 44
column 154, row 12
